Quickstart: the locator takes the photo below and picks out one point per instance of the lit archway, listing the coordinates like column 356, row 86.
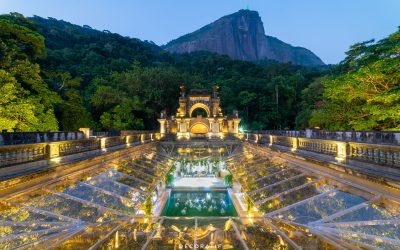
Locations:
column 199, row 112
column 199, row 128
column 199, row 106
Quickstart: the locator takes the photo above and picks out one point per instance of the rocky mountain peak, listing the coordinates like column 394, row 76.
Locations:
column 241, row 36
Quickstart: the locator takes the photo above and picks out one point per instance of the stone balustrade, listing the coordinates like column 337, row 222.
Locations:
column 113, row 141
column 135, row 132
column 16, row 154
column 74, row 147
column 379, row 137
column 318, row 146
column 14, row 138
column 24, row 153
column 381, row 154
column 105, row 133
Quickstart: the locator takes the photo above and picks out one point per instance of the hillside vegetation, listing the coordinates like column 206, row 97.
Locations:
column 58, row 76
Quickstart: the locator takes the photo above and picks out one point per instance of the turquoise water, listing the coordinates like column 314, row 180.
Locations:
column 199, row 203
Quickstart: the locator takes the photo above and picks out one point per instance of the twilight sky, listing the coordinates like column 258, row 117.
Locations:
column 327, row 27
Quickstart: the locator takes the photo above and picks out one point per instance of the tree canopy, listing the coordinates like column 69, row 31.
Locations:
column 56, row 75
column 26, row 101
column 363, row 92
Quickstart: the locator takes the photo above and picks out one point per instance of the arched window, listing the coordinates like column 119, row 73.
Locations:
column 199, row 109
column 199, row 112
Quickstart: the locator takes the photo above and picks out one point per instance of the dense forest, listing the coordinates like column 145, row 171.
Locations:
column 58, row 76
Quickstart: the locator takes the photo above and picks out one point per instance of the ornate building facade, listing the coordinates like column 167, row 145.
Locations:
column 199, row 115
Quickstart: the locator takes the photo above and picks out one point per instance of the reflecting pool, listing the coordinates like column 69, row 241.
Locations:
column 199, row 203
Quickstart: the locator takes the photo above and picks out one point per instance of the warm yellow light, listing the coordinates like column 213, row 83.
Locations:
column 116, row 245
column 281, row 240
column 56, row 160
column 340, row 159
column 251, row 221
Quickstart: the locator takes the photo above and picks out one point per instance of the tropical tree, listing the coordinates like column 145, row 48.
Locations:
column 27, row 102
column 364, row 91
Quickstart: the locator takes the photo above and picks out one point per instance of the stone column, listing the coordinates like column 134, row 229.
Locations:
column 53, row 150
column 236, row 122
column 220, row 125
column 86, row 132
column 211, row 125
column 271, row 140
column 127, row 139
column 103, row 143
column 343, row 150
column 142, row 138
column 215, row 127
column 187, row 125
column 162, row 125
column 295, row 142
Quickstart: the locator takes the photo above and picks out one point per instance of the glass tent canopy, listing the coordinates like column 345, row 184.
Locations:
column 293, row 208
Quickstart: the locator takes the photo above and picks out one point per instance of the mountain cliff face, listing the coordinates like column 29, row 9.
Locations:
column 241, row 36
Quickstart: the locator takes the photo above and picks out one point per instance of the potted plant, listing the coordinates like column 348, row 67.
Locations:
column 228, row 180
column 169, row 181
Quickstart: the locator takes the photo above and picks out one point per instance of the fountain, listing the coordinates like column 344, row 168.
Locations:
column 199, row 203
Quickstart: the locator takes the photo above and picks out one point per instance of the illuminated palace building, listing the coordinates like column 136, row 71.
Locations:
column 200, row 183
column 199, row 115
